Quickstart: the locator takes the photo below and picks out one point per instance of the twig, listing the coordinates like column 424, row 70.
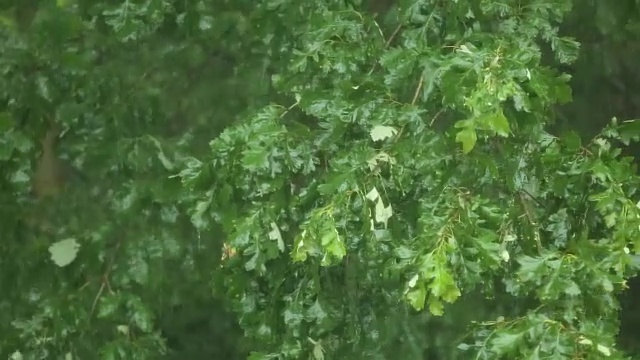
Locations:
column 95, row 300
column 532, row 197
column 435, row 117
column 413, row 102
column 386, row 45
column 85, row 284
column 393, row 35
column 418, row 88
column 105, row 280
column 289, row 109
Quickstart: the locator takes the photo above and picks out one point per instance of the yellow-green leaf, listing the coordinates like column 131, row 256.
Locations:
column 468, row 138
column 416, row 297
column 435, row 306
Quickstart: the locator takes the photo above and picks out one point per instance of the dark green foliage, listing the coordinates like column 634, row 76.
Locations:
column 340, row 180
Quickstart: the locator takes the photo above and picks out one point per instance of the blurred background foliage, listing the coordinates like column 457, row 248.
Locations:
column 606, row 84
column 140, row 89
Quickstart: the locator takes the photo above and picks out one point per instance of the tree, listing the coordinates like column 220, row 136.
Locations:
column 349, row 179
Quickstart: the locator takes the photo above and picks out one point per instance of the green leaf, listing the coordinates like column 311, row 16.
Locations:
column 261, row 356
column 64, row 252
column 572, row 289
column 443, row 286
column 274, row 234
column 468, row 138
column 383, row 213
column 318, row 351
column 141, row 316
column 252, row 264
column 436, row 308
column 629, row 131
column 603, row 350
column 505, row 342
column 333, row 245
column 108, row 305
column 566, row 49
column 255, row 158
column 530, row 267
column 317, row 312
column 168, row 165
column 381, row 132
column 495, row 122
column 417, row 296
column 199, row 213
column 373, row 195
column 404, row 252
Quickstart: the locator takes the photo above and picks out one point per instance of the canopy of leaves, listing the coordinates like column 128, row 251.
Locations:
column 286, row 179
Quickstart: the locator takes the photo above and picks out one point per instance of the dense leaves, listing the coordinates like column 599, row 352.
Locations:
column 289, row 179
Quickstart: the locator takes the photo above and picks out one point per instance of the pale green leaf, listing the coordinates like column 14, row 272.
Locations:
column 64, row 252
column 604, row 350
column 318, row 351
column 373, row 195
column 381, row 132
column 585, row 341
column 504, row 254
column 414, row 280
column 572, row 289
column 275, row 234
column 383, row 213
column 123, row 329
column 161, row 155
